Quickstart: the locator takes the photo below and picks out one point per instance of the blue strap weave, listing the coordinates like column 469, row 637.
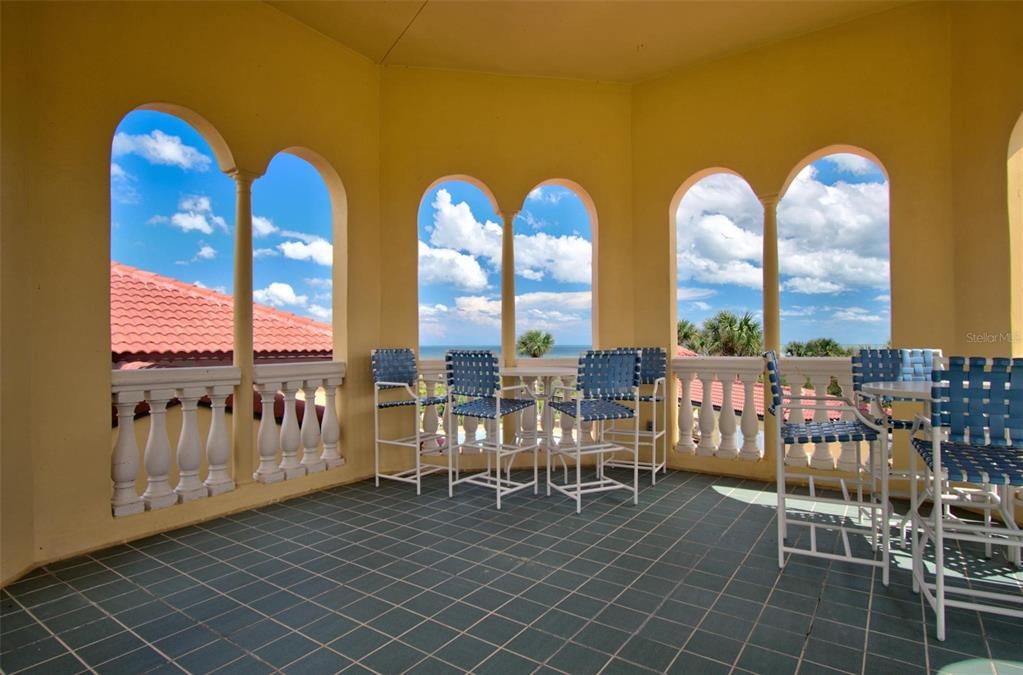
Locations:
column 607, row 374
column 980, row 401
column 487, row 407
column 595, row 409
column 773, row 381
column 425, row 401
column 393, row 365
column 975, row 464
column 472, row 372
column 876, row 365
column 653, row 363
column 834, row 431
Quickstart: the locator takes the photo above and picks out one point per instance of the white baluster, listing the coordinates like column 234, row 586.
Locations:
column 822, row 458
column 796, row 454
column 567, row 430
column 685, row 416
column 290, row 436
column 728, row 448
column 124, row 465
column 218, row 446
column 492, row 426
column 189, row 486
column 331, row 429
column 311, row 459
column 158, row 492
column 471, row 425
column 749, row 423
column 268, row 438
column 706, row 446
column 849, row 456
column 431, row 420
column 527, row 418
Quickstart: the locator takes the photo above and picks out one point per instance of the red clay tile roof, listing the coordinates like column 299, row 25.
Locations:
column 717, row 396
column 155, row 319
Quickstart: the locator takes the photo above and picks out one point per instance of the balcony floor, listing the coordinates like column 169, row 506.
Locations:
column 360, row 578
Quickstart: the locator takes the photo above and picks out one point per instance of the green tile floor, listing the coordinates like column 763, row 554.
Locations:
column 363, row 579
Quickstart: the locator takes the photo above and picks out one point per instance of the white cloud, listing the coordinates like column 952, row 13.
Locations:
column 320, row 312
column 884, row 297
column 265, row 253
column 797, row 311
column 700, row 306
column 447, row 266
column 122, row 185
column 811, row 286
column 301, row 236
column 195, row 214
column 157, row 147
column 218, row 289
column 850, row 163
column 534, row 223
column 478, row 309
column 316, row 249
column 566, row 258
column 857, row 314
column 685, row 294
column 542, row 194
column 319, row 282
column 279, row 294
column 719, row 223
column 569, row 301
column 262, row 227
column 456, row 228
column 206, row 252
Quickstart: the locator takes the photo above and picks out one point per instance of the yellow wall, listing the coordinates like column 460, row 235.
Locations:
column 931, row 89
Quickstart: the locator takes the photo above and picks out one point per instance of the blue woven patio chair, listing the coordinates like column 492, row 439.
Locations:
column 653, row 372
column 891, row 365
column 395, row 370
column 974, row 436
column 815, row 511
column 603, row 380
column 474, row 390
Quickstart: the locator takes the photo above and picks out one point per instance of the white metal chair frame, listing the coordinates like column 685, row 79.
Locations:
column 942, row 524
column 647, row 437
column 599, row 448
column 873, row 477
column 497, row 475
column 422, row 444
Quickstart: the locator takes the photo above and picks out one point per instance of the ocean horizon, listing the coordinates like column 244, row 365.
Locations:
column 559, row 351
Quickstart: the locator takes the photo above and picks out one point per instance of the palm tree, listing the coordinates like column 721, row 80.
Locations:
column 796, row 349
column 534, row 343
column 726, row 334
column 825, row 347
column 689, row 336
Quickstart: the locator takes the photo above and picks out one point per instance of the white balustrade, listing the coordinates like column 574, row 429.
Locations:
column 820, row 371
column 719, row 431
column 160, row 388
column 289, row 379
column 431, row 420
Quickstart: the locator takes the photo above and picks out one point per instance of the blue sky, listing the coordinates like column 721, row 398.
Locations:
column 460, row 266
column 833, row 251
column 173, row 214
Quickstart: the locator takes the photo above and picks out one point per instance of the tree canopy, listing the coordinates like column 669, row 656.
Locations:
column 534, row 343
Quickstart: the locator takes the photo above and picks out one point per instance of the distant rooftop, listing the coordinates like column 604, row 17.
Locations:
column 158, row 321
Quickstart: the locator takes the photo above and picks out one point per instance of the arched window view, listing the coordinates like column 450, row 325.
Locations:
column 459, row 270
column 553, row 274
column 833, row 258
column 171, row 244
column 292, row 258
column 719, row 253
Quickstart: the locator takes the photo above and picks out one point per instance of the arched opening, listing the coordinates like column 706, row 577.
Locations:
column 460, row 246
column 1015, row 175
column 554, row 241
column 718, row 266
column 833, row 254
column 171, row 243
column 294, row 256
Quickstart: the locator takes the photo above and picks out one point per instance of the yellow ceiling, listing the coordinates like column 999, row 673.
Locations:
column 622, row 40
